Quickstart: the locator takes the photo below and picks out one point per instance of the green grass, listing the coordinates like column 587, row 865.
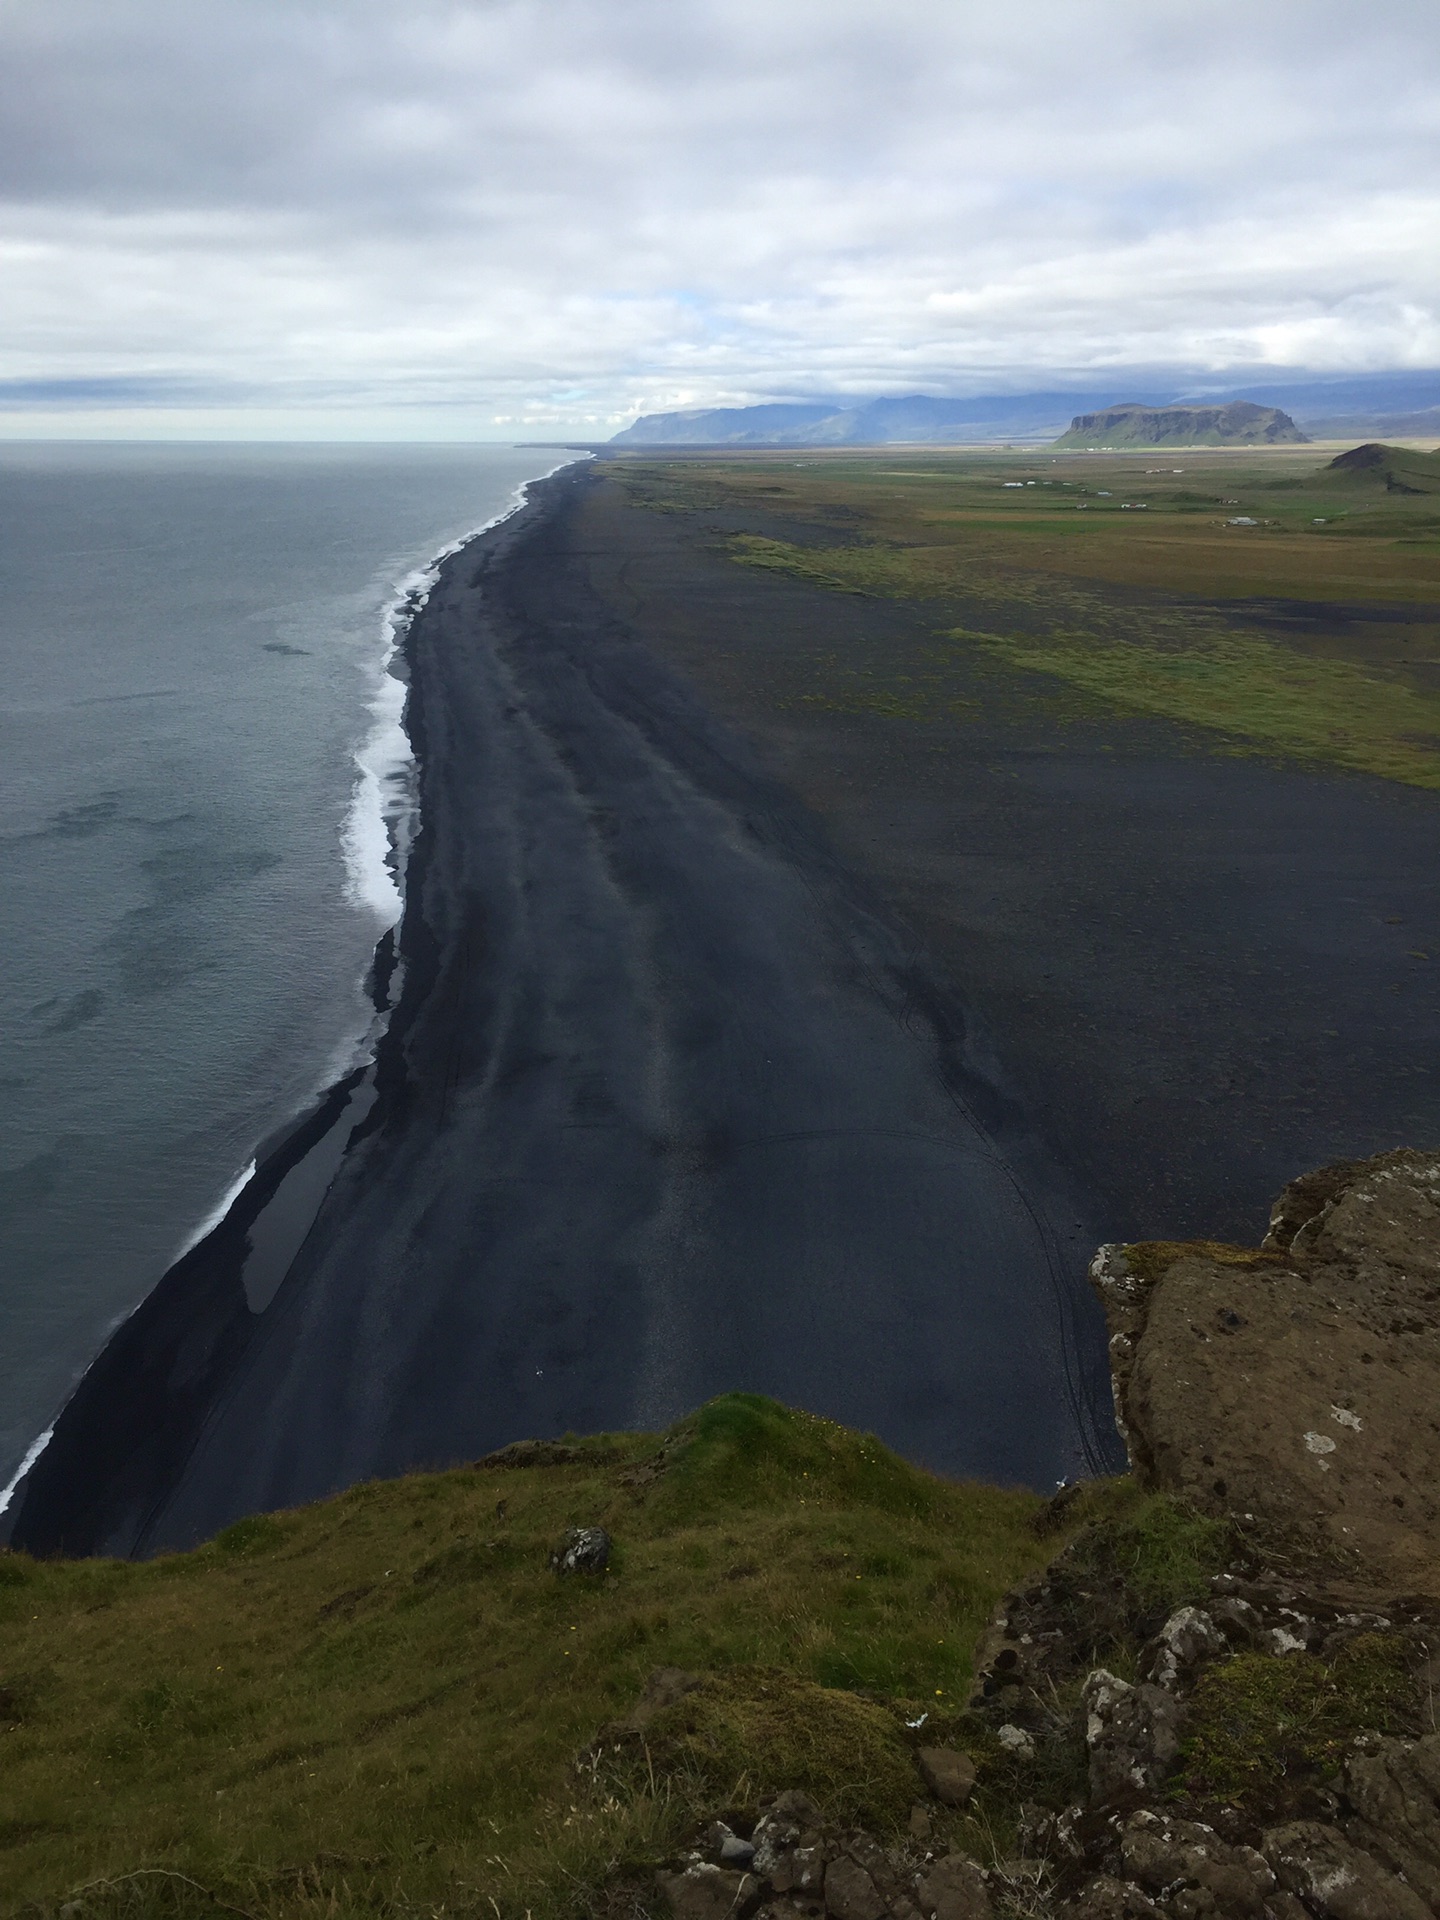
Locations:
column 1251, row 690
column 1376, row 467
column 376, row 1703
column 1177, row 663
column 1161, row 1551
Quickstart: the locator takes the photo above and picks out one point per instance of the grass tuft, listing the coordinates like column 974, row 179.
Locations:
column 757, row 1730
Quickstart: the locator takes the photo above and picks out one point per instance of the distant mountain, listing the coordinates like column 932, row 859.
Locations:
column 726, row 426
column 910, row 419
column 1343, row 402
column 1238, row 423
column 1360, row 406
column 1394, row 469
column 1423, row 423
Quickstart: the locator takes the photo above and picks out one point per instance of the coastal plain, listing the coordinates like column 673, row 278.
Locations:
column 848, row 889
column 811, row 867
column 1144, row 746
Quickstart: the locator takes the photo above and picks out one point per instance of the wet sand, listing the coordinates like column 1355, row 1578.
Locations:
column 673, row 1101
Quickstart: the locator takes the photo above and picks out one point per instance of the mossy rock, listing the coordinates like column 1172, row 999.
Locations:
column 755, row 1731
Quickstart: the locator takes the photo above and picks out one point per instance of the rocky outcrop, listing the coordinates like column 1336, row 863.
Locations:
column 1298, row 1382
column 583, row 1550
column 1263, row 1747
column 1237, row 423
column 798, row 1865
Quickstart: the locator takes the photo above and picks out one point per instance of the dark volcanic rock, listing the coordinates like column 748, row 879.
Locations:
column 954, row 1889
column 1166, row 1856
column 1395, row 1796
column 1132, row 1733
column 1335, row 1879
column 948, row 1773
column 704, row 1892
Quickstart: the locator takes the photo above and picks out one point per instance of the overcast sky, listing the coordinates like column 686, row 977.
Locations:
column 489, row 217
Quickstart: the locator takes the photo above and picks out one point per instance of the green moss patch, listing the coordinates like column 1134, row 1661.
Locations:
column 1267, row 1727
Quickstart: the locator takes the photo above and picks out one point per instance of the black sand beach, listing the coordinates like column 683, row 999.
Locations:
column 747, row 1041
column 669, row 1105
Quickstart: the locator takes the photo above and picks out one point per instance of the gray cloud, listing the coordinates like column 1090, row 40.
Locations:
column 473, row 215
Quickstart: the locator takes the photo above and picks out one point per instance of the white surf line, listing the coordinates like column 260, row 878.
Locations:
column 212, row 1220
column 376, row 876
column 381, row 819
column 36, row 1449
column 217, row 1213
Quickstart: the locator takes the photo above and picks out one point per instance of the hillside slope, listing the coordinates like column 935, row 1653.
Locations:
column 379, row 1698
column 1377, row 468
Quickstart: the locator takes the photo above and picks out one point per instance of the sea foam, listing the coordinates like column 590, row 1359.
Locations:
column 383, row 813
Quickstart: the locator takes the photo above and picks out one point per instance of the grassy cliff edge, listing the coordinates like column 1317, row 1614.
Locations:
column 378, row 1701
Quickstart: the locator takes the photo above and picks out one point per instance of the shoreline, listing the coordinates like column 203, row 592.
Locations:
column 172, row 1406
column 294, row 1148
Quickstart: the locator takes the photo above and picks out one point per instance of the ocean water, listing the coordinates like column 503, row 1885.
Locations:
column 203, row 774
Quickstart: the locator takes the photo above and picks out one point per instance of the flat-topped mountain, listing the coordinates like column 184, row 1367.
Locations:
column 1239, row 423
column 1376, row 466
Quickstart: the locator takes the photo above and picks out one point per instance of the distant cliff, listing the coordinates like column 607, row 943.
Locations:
column 1372, row 406
column 1240, row 423
column 908, row 419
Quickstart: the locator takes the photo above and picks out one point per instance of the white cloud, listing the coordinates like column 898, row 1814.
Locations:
column 541, row 212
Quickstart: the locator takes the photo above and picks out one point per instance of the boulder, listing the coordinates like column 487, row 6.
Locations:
column 583, row 1550
column 850, row 1893
column 1109, row 1899
column 1169, row 1856
column 948, row 1773
column 1334, row 1879
column 726, row 1848
column 1395, row 1794
column 1296, row 1381
column 1132, row 1734
column 1187, row 1640
column 954, row 1889
column 705, row 1892
column 789, row 1846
